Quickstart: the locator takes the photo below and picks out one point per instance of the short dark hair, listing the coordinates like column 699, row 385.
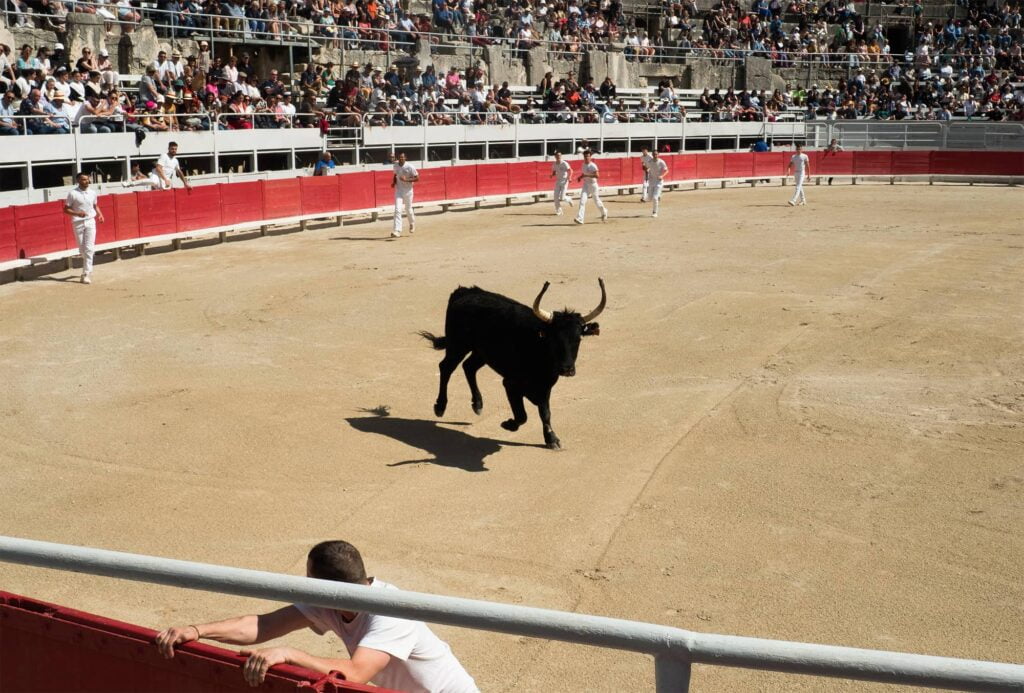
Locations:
column 172, row 144
column 80, row 174
column 336, row 560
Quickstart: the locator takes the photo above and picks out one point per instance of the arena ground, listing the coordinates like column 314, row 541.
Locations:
column 797, row 423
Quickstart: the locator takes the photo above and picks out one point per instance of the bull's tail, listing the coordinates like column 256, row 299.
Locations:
column 439, row 343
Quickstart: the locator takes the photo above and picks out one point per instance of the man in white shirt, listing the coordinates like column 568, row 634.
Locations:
column 163, row 173
column 589, row 176
column 657, row 171
column 392, row 652
column 645, row 164
column 405, row 176
column 560, row 171
column 800, row 165
column 83, row 208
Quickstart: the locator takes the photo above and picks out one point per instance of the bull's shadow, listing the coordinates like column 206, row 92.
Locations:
column 447, row 446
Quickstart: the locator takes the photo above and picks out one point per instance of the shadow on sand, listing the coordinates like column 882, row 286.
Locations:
column 447, row 446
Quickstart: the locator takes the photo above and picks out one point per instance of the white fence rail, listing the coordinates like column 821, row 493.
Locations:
column 674, row 650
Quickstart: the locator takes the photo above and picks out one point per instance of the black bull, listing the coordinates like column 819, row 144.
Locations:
column 529, row 348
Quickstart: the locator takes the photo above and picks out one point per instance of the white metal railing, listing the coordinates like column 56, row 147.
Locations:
column 674, row 649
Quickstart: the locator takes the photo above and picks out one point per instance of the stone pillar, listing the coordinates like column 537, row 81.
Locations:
column 84, row 30
column 138, row 49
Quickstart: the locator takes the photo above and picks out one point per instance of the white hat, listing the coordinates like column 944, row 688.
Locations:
column 58, row 46
column 104, row 53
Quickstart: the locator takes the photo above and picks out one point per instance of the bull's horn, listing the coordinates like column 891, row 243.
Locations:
column 600, row 306
column 537, row 310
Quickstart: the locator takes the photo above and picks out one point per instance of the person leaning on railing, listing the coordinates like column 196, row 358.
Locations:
column 8, row 124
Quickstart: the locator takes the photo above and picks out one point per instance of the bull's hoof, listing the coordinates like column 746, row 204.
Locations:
column 439, row 408
column 478, row 407
column 554, row 444
column 510, row 425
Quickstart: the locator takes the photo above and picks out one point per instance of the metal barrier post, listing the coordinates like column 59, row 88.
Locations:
column 671, row 674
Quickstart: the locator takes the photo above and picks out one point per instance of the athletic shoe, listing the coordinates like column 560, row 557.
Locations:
column 792, row 204
column 86, row 278
column 396, row 234
column 654, row 215
column 578, row 221
column 411, row 229
column 803, row 203
column 604, row 216
column 558, row 213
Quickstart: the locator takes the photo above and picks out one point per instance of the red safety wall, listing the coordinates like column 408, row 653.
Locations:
column 31, row 230
column 45, row 647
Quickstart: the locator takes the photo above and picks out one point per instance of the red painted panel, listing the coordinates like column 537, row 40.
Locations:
column 282, row 198
column 872, row 163
column 710, row 166
column 157, row 212
column 240, row 202
column 682, row 166
column 357, row 191
column 460, row 182
column 106, row 230
column 633, row 171
column 40, row 229
column 383, row 192
column 740, row 165
column 522, row 177
column 610, row 172
column 198, row 208
column 126, row 215
column 911, row 163
column 977, row 163
column 44, row 647
column 836, row 163
column 1002, row 163
column 320, row 194
column 430, row 186
column 770, row 164
column 8, row 242
column 491, row 179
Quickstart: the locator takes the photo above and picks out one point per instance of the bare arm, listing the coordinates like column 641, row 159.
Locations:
column 241, row 630
column 364, row 665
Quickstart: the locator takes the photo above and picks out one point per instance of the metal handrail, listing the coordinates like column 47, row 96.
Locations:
column 674, row 649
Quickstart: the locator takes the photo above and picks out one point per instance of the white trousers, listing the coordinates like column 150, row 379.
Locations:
column 645, row 187
column 654, row 188
column 560, row 194
column 85, row 234
column 403, row 199
column 798, row 196
column 586, row 194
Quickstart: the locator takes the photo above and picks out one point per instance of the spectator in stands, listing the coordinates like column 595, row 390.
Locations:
column 89, row 118
column 392, row 652
column 47, row 120
column 324, row 165
column 148, row 88
column 8, row 124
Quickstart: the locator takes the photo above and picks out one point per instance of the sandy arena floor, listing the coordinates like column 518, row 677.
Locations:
column 797, row 423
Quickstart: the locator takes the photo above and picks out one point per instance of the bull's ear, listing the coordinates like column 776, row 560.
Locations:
column 591, row 329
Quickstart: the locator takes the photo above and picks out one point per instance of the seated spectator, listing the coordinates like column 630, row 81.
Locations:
column 8, row 124
column 47, row 120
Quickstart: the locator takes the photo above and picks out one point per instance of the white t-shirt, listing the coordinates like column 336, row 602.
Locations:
column 800, row 163
column 561, row 169
column 645, row 161
column 590, row 170
column 420, row 661
column 82, row 201
column 658, row 170
column 404, row 175
column 170, row 167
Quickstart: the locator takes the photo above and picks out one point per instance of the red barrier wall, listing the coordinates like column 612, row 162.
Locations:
column 357, row 191
column 241, row 202
column 320, row 194
column 45, row 647
column 8, row 241
column 282, row 198
column 38, row 229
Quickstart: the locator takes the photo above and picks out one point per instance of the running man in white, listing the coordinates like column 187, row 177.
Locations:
column 645, row 162
column 405, row 175
column 657, row 172
column 163, row 173
column 589, row 177
column 84, row 209
column 800, row 165
column 560, row 171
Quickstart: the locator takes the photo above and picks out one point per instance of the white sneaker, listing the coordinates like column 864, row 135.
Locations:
column 792, row 204
column 558, row 213
column 803, row 203
column 396, row 234
column 411, row 229
column 604, row 216
column 654, row 215
column 86, row 278
column 578, row 221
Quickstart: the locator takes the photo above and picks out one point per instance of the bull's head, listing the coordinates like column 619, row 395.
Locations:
column 562, row 331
